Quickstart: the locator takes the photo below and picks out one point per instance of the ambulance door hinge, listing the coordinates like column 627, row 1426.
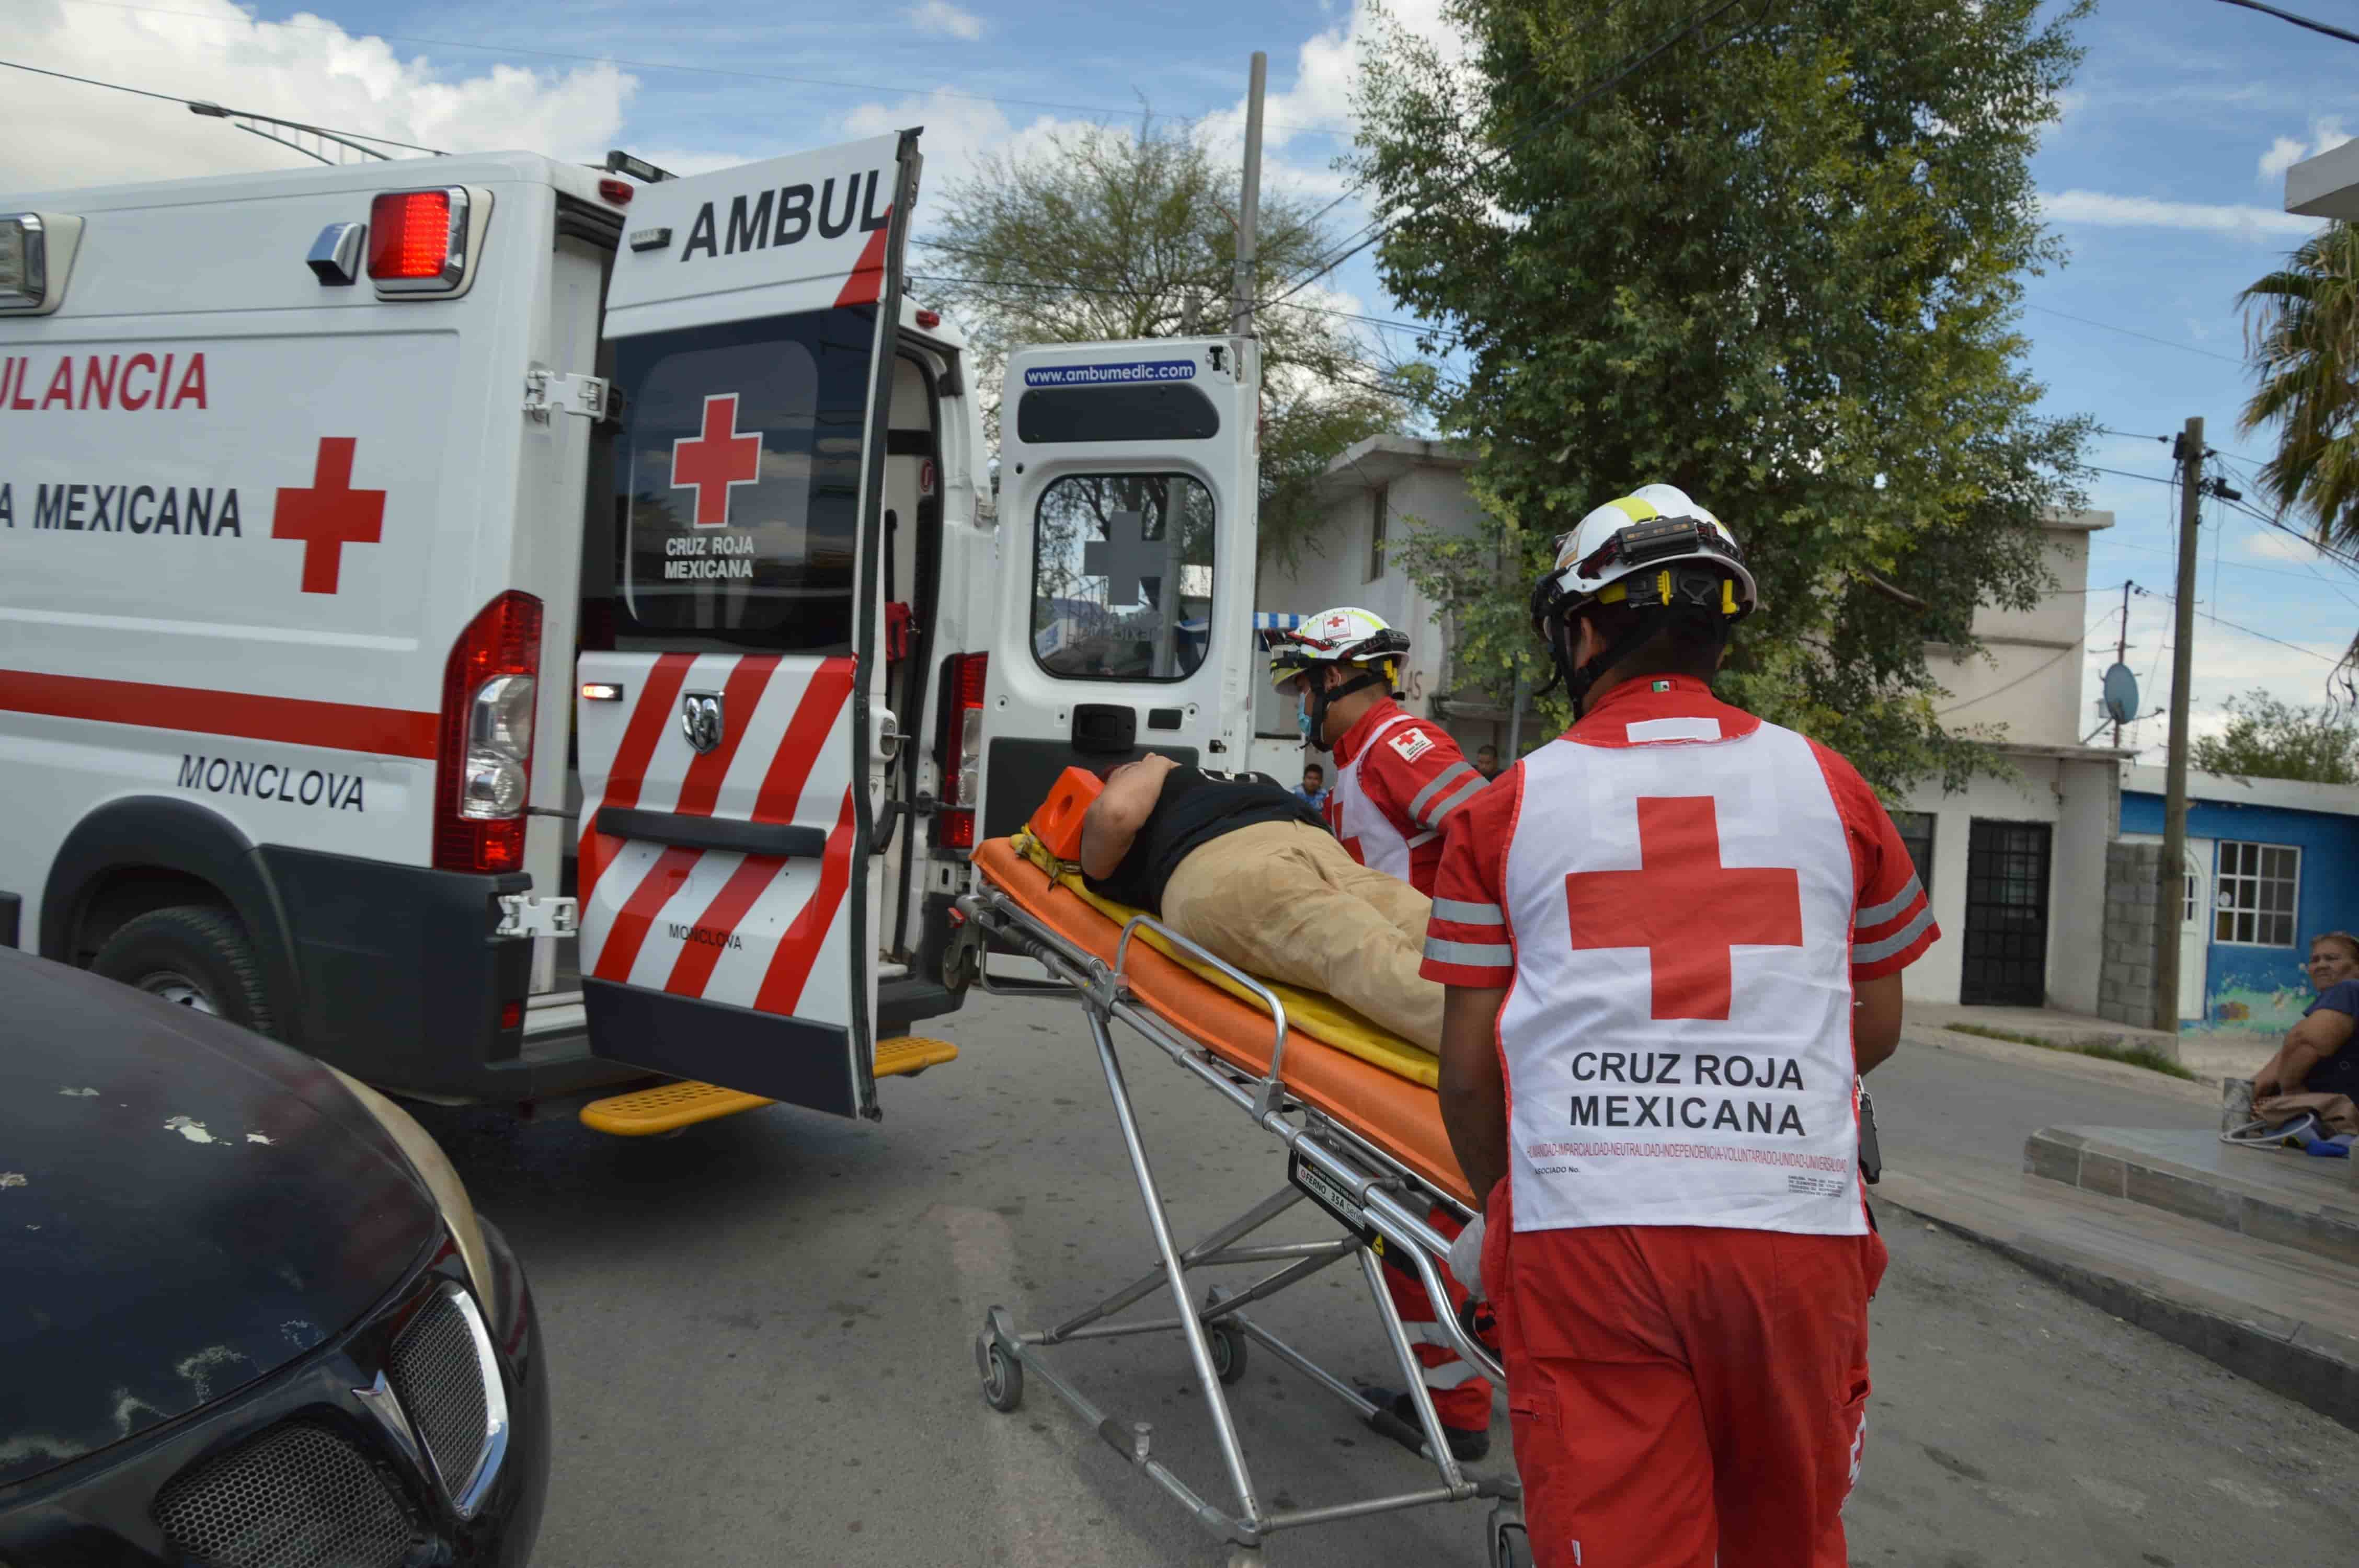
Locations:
column 521, row 914
column 547, row 394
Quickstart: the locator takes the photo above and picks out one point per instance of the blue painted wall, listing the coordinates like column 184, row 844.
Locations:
column 2263, row 988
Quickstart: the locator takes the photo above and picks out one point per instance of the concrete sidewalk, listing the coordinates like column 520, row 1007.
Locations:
column 2209, row 1054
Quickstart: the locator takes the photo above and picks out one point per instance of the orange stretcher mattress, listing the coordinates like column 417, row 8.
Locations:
column 1401, row 1118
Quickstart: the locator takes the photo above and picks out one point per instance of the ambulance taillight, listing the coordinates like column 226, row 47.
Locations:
column 962, row 764
column 483, row 770
column 418, row 240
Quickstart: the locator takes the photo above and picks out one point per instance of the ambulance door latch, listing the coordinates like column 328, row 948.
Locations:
column 521, row 914
column 547, row 394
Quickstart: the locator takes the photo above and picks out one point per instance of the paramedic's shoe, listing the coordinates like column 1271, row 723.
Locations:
column 1467, row 1443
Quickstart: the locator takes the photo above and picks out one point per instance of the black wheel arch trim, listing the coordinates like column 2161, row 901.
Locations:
column 180, row 836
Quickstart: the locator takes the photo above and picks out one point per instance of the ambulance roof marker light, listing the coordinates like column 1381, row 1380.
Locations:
column 418, row 240
column 930, row 320
column 617, row 191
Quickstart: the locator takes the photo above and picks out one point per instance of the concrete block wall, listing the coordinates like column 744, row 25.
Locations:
column 2133, row 900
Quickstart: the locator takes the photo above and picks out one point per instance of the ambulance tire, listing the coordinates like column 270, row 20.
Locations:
column 196, row 956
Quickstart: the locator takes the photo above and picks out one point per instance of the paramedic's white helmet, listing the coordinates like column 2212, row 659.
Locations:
column 1343, row 635
column 1654, row 527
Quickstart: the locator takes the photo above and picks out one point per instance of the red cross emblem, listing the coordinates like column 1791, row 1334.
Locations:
column 329, row 515
column 1684, row 907
column 716, row 461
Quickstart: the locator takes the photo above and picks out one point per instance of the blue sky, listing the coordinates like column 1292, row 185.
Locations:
column 2164, row 179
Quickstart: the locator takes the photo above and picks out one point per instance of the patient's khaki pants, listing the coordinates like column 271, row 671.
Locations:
column 1283, row 899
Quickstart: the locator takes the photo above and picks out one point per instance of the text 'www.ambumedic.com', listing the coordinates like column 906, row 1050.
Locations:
column 1785, row 1157
column 1113, row 374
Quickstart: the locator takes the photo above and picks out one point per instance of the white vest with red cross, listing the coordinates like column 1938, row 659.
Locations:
column 1678, row 1038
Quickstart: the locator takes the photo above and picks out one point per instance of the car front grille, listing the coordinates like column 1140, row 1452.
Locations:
column 296, row 1497
column 439, row 1378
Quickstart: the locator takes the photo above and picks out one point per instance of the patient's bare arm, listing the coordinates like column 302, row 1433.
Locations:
column 1120, row 810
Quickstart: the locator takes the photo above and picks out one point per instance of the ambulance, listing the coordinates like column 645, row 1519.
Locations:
column 508, row 628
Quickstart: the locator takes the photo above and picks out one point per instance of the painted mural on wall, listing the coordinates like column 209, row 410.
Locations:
column 2261, row 992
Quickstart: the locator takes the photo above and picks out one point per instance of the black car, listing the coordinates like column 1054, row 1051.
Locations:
column 247, row 1317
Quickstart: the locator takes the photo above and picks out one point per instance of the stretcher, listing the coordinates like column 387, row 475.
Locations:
column 1363, row 1143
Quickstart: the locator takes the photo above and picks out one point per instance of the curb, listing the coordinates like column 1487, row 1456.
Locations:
column 2311, row 1367
column 2072, row 1064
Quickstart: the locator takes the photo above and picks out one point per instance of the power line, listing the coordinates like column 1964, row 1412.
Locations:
column 2233, row 626
column 901, row 89
column 2331, row 32
column 1701, row 18
column 2134, row 332
column 2043, row 668
column 169, row 98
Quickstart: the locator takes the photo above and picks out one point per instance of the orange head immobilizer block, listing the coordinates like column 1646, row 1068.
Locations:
column 1057, row 823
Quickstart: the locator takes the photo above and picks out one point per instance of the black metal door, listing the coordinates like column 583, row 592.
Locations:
column 2006, row 914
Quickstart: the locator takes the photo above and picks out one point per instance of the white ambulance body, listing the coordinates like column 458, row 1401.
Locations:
column 392, row 555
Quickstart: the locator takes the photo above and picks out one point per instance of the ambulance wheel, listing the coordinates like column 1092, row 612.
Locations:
column 193, row 957
column 1228, row 1343
column 1002, row 1381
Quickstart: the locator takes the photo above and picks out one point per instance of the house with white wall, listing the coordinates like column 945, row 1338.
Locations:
column 2014, row 864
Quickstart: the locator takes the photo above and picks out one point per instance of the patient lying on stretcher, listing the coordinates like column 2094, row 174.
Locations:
column 1248, row 870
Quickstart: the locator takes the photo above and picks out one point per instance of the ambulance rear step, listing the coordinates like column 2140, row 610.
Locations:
column 668, row 1108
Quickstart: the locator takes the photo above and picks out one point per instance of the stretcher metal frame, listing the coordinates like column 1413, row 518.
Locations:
column 1354, row 1177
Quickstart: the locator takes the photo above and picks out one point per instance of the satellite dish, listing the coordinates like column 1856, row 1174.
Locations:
column 2121, row 698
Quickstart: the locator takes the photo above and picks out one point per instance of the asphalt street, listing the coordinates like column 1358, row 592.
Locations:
column 761, row 1336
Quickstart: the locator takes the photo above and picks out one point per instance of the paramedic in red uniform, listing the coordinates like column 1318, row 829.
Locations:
column 1672, row 938
column 1398, row 780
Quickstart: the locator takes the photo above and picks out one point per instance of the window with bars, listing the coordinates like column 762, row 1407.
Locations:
column 2259, row 889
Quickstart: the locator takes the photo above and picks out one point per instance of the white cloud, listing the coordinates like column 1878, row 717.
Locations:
column 56, row 134
column 2269, row 544
column 2108, row 211
column 939, row 18
column 2326, row 135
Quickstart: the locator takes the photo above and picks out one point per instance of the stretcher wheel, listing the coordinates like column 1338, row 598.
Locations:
column 1228, row 1345
column 1002, row 1381
column 1505, row 1544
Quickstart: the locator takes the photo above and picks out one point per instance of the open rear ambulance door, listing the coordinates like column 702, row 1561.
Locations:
column 1128, row 493
column 733, row 742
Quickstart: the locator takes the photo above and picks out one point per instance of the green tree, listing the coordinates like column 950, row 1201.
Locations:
column 2266, row 739
column 2301, row 325
column 1778, row 266
column 1108, row 233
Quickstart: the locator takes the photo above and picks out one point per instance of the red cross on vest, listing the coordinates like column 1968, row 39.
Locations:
column 717, row 460
column 1684, row 907
column 329, row 515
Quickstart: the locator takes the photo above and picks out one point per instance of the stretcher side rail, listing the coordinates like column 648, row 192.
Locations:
column 1423, row 1247
column 1375, row 1181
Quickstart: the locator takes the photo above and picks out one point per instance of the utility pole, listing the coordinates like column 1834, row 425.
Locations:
column 2172, row 893
column 1241, row 316
column 2121, row 652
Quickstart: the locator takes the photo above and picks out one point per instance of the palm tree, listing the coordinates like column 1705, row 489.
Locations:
column 2303, row 331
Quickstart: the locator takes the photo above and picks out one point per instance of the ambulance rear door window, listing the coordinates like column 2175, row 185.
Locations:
column 737, row 483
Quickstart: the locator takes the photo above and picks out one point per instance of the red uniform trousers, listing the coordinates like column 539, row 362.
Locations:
column 1683, row 1395
column 1461, row 1396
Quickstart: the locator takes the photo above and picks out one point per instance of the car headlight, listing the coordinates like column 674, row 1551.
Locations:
column 442, row 1181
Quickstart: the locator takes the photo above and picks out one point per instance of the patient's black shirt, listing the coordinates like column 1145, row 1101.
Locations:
column 1195, row 808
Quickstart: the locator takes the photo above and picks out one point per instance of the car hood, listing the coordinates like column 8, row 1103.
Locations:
column 184, row 1207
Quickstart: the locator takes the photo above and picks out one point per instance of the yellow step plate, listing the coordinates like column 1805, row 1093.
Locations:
column 666, row 1107
column 908, row 1056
